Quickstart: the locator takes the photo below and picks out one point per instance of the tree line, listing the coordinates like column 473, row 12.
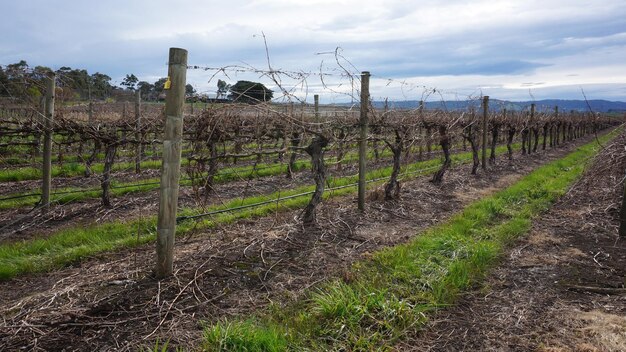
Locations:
column 19, row 80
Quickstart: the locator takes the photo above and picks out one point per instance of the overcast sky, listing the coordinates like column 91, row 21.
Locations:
column 513, row 50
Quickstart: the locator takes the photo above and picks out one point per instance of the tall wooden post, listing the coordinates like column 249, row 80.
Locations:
column 420, row 122
column 622, row 213
column 556, row 117
column 170, row 168
column 485, row 127
column 47, row 144
column 138, row 133
column 316, row 100
column 363, row 121
column 37, row 135
column 532, row 129
column 90, row 112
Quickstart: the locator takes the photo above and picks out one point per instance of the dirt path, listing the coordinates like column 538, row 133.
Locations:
column 112, row 303
column 562, row 288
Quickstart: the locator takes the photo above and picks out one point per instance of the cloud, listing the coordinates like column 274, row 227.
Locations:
column 505, row 46
column 532, row 84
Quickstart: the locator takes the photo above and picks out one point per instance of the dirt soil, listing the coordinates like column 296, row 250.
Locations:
column 112, row 302
column 561, row 288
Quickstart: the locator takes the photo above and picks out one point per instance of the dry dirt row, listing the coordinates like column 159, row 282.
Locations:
column 111, row 302
column 561, row 288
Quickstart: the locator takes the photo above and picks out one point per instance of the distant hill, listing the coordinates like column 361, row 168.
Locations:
column 564, row 105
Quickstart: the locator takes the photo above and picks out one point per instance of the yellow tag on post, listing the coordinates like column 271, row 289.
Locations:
column 167, row 84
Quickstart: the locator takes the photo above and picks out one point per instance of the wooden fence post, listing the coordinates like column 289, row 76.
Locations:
column 316, row 99
column 37, row 146
column 363, row 121
column 485, row 127
column 622, row 214
column 90, row 111
column 553, row 143
column 47, row 144
column 532, row 129
column 170, row 168
column 420, row 122
column 138, row 133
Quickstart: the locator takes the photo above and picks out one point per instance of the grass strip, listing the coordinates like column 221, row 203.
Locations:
column 70, row 169
column 394, row 290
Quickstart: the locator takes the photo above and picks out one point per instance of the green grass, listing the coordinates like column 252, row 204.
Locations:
column 73, row 194
column 71, row 245
column 69, row 170
column 227, row 337
column 396, row 290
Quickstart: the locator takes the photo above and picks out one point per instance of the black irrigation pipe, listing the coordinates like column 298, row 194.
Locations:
column 23, row 196
column 277, row 200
